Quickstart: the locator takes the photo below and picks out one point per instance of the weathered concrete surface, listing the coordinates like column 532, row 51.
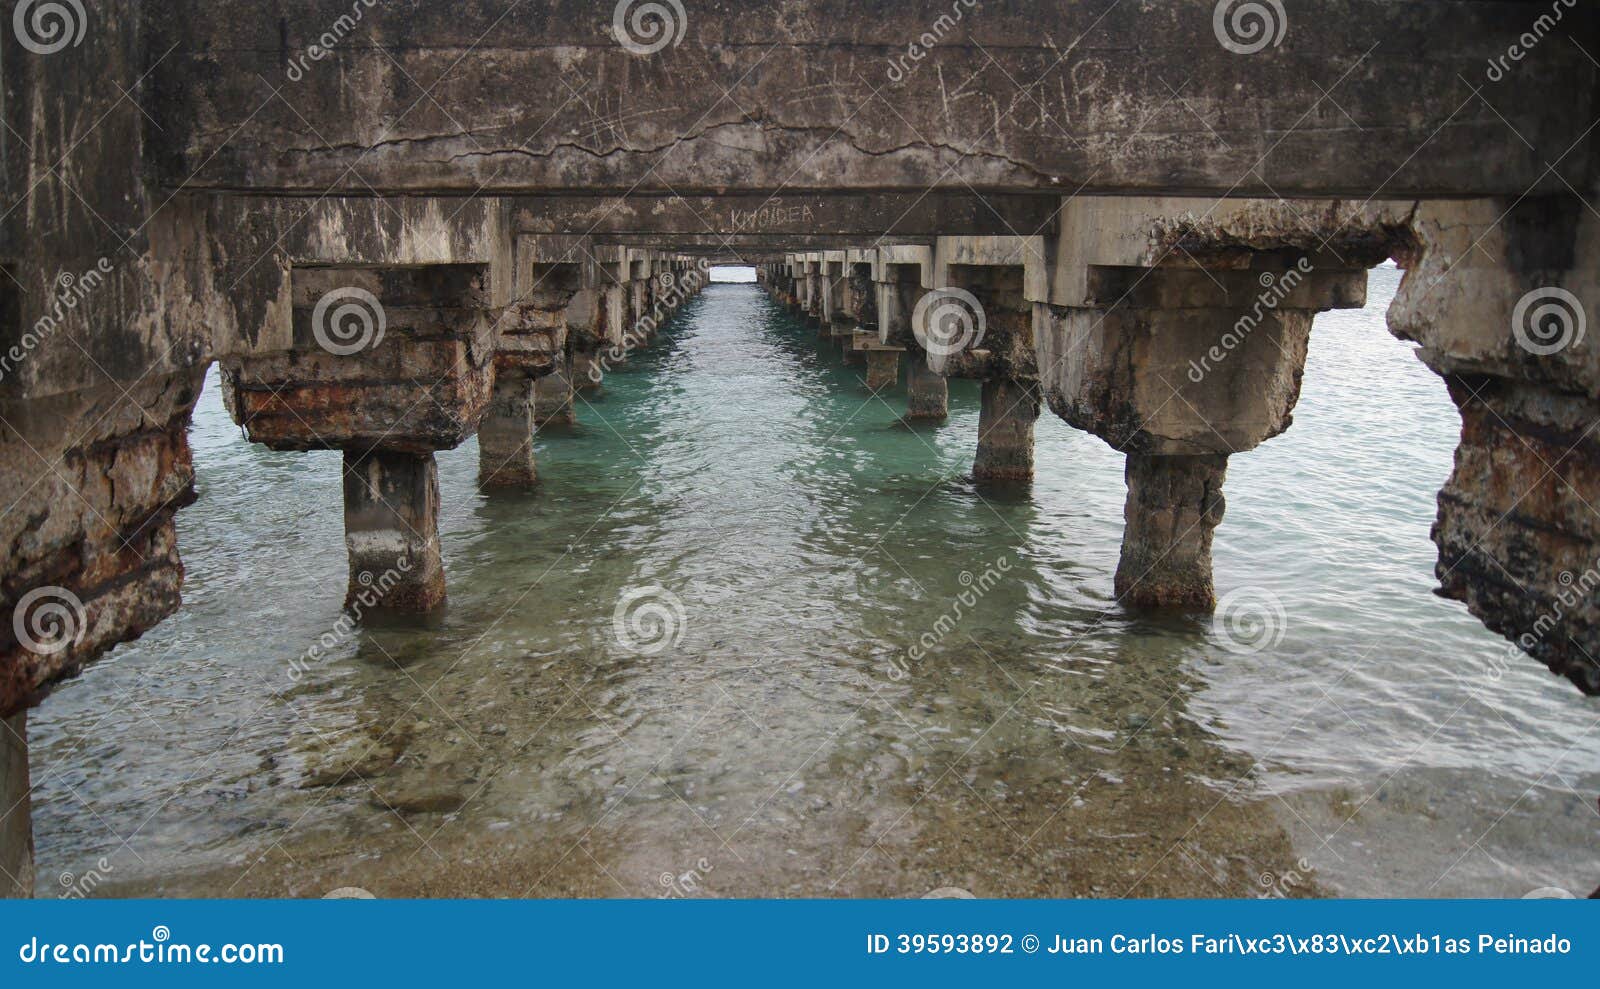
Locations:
column 391, row 530
column 16, row 809
column 1518, row 538
column 398, row 359
column 1015, row 96
column 93, row 479
column 1005, row 430
column 505, row 437
column 553, row 403
column 1174, row 503
column 784, row 223
column 927, row 393
column 883, row 368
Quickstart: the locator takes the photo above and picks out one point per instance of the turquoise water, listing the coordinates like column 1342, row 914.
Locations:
column 799, row 539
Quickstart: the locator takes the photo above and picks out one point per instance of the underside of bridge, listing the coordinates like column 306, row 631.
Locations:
column 395, row 226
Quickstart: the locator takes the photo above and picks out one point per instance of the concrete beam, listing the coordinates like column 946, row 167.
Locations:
column 1055, row 97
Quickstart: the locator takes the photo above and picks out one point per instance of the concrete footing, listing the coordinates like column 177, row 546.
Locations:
column 552, row 399
column 927, row 393
column 883, row 369
column 1174, row 504
column 1005, row 430
column 505, row 437
column 391, row 530
column 16, row 816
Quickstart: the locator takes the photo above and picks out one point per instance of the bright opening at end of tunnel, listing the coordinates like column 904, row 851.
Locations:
column 733, row 273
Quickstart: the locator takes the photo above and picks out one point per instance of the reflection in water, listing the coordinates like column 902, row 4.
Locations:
column 1037, row 740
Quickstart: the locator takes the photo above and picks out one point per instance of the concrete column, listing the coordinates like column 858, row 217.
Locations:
column 391, row 530
column 587, row 371
column 16, row 816
column 883, row 369
column 552, row 399
column 928, row 394
column 1005, row 430
column 1174, row 504
column 505, row 438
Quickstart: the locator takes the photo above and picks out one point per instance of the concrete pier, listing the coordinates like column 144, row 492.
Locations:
column 553, row 399
column 391, row 531
column 927, row 393
column 1174, row 504
column 16, row 814
column 883, row 369
column 505, row 437
column 1005, row 430
column 373, row 290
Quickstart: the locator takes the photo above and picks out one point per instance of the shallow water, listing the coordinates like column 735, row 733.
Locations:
column 1045, row 743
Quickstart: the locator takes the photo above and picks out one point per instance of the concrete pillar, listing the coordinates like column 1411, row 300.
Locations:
column 16, row 815
column 927, row 393
column 883, row 369
column 391, row 530
column 1005, row 430
column 1174, row 504
column 552, row 399
column 505, row 437
column 587, row 371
